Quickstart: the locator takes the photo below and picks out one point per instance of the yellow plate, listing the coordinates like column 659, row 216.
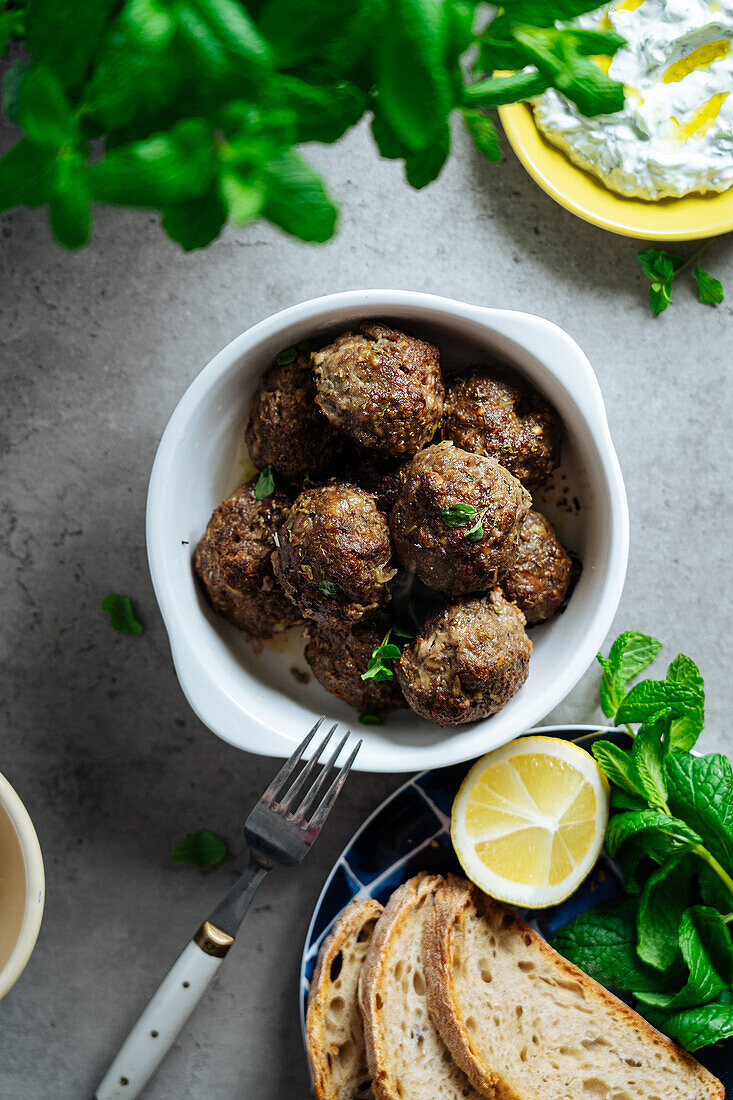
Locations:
column 685, row 219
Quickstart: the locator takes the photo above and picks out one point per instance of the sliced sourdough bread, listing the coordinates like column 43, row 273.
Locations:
column 406, row 1057
column 334, row 1029
column 525, row 1024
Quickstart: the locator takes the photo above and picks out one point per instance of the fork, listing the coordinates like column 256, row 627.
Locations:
column 279, row 831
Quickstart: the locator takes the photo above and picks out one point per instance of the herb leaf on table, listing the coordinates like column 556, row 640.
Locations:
column 668, row 942
column 202, row 849
column 121, row 613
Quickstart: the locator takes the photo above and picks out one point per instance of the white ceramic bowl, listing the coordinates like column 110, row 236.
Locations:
column 21, row 887
column 251, row 699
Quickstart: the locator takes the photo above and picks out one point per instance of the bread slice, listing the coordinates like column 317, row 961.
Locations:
column 406, row 1057
column 334, row 1029
column 525, row 1024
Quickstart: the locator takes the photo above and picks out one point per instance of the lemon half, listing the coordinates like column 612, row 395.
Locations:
column 529, row 820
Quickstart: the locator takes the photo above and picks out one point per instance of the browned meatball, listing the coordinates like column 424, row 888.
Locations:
column 286, row 430
column 490, row 413
column 338, row 660
column 457, row 519
column 467, row 661
column 381, row 388
column 233, row 561
column 334, row 551
column 384, row 479
column 539, row 579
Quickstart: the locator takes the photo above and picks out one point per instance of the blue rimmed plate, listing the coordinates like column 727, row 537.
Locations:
column 410, row 832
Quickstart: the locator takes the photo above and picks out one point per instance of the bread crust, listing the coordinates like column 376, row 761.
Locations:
column 357, row 914
column 451, row 902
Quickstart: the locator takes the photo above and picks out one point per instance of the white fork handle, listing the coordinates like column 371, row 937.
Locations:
column 157, row 1029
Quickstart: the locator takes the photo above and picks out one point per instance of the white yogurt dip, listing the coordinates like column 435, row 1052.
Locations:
column 674, row 134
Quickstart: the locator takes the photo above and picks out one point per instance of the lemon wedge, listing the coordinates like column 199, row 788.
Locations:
column 529, row 820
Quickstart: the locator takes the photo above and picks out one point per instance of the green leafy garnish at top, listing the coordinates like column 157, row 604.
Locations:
column 464, row 515
column 669, row 941
column 380, row 663
column 202, row 849
column 265, row 485
column 662, row 268
column 199, row 109
column 121, row 614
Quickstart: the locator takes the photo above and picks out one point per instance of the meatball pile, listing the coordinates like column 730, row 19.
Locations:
column 392, row 516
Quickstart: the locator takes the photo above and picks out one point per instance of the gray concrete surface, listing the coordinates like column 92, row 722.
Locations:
column 97, row 738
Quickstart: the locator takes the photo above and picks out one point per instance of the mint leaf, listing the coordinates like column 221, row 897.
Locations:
column 495, row 91
column 685, row 731
column 201, row 849
column 629, row 655
column 640, row 822
column 422, row 168
column 297, row 200
column 483, row 132
column 706, row 948
column 69, row 209
column 602, row 942
column 653, row 698
column 161, row 171
column 695, row 1027
column 659, row 265
column 412, row 83
column 710, row 290
column 663, row 900
column 700, row 789
column 264, row 488
column 66, row 39
column 660, row 296
column 561, row 59
column 323, row 112
column 121, row 614
column 196, row 222
column 618, row 766
column 244, row 198
column 26, row 175
column 368, row 719
column 648, row 758
column 45, row 112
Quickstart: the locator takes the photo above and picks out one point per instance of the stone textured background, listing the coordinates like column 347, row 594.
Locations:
column 98, row 740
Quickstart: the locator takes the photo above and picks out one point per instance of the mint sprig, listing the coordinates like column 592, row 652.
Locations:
column 662, row 268
column 199, row 110
column 380, row 666
column 202, row 849
column 671, row 827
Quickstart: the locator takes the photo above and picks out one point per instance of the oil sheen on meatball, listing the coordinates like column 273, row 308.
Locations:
column 381, row 388
column 490, row 413
column 469, row 660
column 286, row 430
column 233, row 561
column 539, row 579
column 334, row 551
column 338, row 659
column 450, row 558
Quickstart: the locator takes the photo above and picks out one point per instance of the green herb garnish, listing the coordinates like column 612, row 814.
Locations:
column 380, row 662
column 121, row 614
column 265, row 486
column 669, row 942
column 287, row 355
column 464, row 515
column 202, row 849
column 328, row 588
column 199, row 110
column 662, row 268
column 458, row 515
column 368, row 719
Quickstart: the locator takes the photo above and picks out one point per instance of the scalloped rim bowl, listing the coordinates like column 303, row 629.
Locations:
column 22, row 887
column 251, row 699
column 689, row 218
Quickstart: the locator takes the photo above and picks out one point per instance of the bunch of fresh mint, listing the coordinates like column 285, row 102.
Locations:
column 197, row 108
column 668, row 942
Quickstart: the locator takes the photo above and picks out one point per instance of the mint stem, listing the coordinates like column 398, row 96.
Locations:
column 694, row 256
column 712, row 862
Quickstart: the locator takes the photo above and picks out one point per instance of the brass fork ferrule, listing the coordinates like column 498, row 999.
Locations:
column 212, row 940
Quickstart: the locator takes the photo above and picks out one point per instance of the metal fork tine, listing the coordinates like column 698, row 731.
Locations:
column 282, row 777
column 332, row 793
column 314, row 794
column 287, row 801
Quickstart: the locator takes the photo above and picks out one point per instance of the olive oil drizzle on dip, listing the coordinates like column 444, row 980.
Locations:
column 674, row 134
